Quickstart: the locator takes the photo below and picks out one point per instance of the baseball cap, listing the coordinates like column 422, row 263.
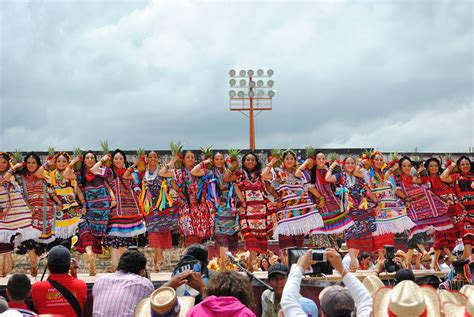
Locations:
column 335, row 300
column 309, row 306
column 59, row 255
column 278, row 268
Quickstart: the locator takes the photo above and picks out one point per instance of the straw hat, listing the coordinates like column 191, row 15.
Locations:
column 454, row 297
column 467, row 290
column 343, row 248
column 451, row 309
column 163, row 301
column 372, row 283
column 407, row 299
column 401, row 253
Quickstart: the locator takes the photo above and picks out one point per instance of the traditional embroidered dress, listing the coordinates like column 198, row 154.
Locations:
column 160, row 210
column 298, row 215
column 336, row 221
column 255, row 219
column 353, row 198
column 36, row 192
column 447, row 238
column 393, row 217
column 93, row 226
column 69, row 213
column 125, row 220
column 195, row 218
column 221, row 199
column 465, row 194
column 426, row 210
column 15, row 215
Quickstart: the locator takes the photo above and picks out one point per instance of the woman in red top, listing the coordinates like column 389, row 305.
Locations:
column 444, row 240
column 464, row 189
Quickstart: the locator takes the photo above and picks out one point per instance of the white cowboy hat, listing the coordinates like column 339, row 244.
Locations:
column 373, row 283
column 467, row 290
column 406, row 299
column 453, row 297
column 163, row 301
column 451, row 309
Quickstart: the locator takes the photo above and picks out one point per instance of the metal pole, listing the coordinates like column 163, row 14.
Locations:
column 252, row 127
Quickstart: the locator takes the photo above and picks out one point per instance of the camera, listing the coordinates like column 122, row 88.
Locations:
column 318, row 255
column 322, row 266
column 390, row 265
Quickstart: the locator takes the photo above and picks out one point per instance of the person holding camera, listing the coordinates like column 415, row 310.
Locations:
column 335, row 301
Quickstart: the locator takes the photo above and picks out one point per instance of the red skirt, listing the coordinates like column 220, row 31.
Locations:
column 285, row 242
column 256, row 243
column 381, row 241
column 162, row 240
column 444, row 239
column 364, row 243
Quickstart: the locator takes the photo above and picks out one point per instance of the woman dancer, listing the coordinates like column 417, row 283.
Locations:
column 63, row 183
column 297, row 215
column 391, row 216
column 444, row 240
column 195, row 219
column 41, row 198
column 464, row 188
column 221, row 199
column 125, row 220
column 255, row 217
column 15, row 215
column 159, row 210
column 353, row 193
column 98, row 199
column 335, row 220
column 424, row 208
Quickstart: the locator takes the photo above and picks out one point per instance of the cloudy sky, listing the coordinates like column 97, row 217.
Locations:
column 393, row 75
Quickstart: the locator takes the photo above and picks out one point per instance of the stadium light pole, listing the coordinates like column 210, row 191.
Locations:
column 249, row 93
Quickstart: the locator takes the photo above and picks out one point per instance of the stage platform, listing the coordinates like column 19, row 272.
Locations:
column 310, row 286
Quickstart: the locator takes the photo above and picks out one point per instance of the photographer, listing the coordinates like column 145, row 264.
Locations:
column 334, row 302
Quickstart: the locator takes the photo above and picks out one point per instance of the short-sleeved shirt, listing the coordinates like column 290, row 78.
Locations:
column 48, row 300
column 119, row 293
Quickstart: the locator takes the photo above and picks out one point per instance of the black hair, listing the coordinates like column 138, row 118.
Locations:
column 364, row 255
column 403, row 159
column 19, row 287
column 287, row 152
column 59, row 269
column 433, row 159
column 83, row 167
column 119, row 151
column 33, row 155
column 132, row 261
column 199, row 252
column 258, row 166
column 315, row 167
column 463, row 157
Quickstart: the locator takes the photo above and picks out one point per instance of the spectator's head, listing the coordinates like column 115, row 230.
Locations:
column 132, row 261
column 365, row 258
column 231, row 283
column 3, row 304
column 309, row 307
column 198, row 251
column 277, row 276
column 426, row 261
column 264, row 264
column 336, row 301
column 18, row 287
column 404, row 275
column 406, row 299
column 59, row 260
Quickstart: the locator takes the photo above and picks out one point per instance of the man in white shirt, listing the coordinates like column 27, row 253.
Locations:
column 332, row 299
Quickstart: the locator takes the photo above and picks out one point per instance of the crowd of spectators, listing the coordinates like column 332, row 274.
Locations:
column 196, row 291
